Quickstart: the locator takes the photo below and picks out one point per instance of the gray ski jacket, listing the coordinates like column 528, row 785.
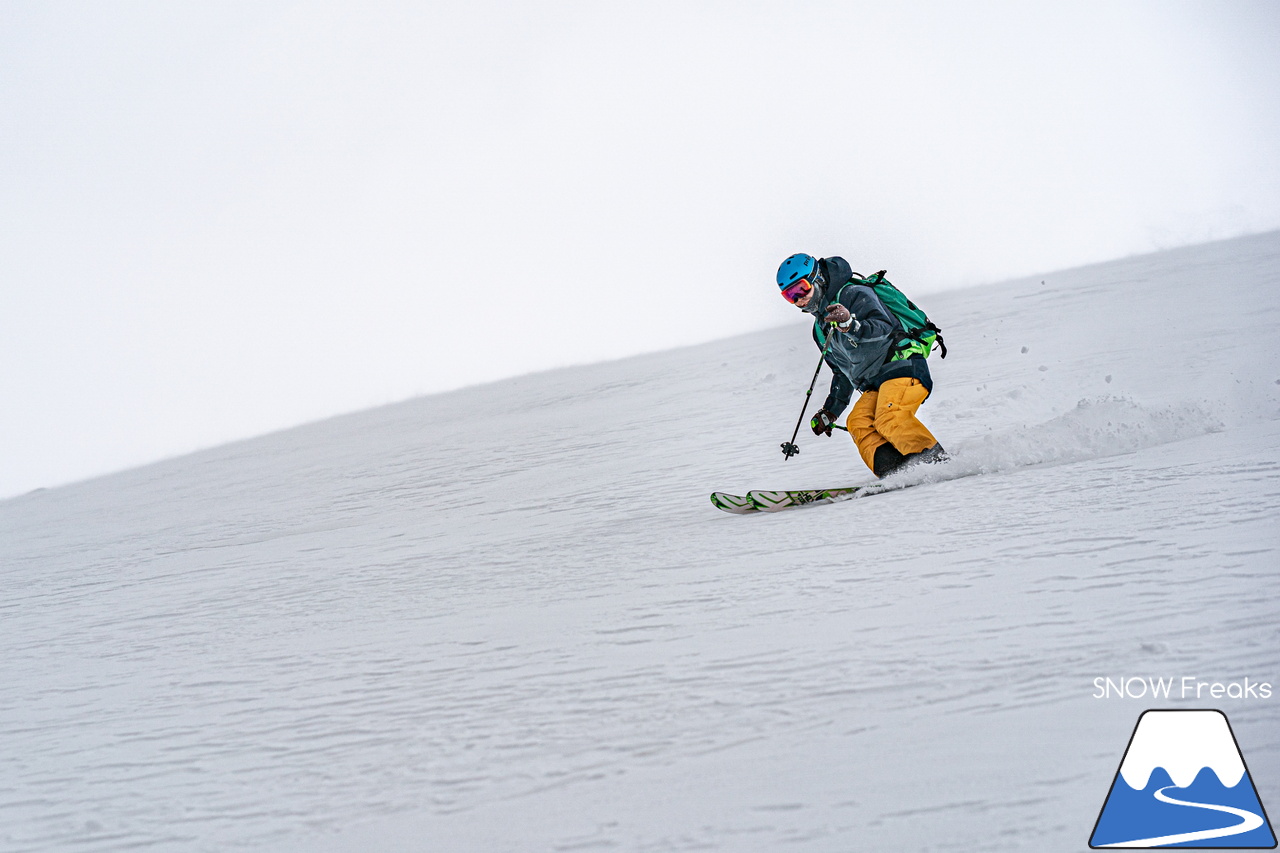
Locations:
column 859, row 358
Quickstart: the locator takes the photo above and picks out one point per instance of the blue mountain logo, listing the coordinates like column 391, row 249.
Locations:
column 1183, row 783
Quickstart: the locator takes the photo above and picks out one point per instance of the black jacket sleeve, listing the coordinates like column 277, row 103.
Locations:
column 841, row 391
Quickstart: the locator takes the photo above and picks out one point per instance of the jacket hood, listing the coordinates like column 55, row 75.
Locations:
column 836, row 273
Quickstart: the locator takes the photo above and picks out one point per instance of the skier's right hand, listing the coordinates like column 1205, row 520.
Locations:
column 840, row 317
column 821, row 422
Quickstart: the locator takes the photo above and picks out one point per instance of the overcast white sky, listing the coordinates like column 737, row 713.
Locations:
column 221, row 219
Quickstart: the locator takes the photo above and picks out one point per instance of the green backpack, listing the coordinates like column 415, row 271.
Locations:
column 921, row 333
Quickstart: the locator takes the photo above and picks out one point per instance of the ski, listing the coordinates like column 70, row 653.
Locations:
column 736, row 504
column 767, row 501
column 760, row 500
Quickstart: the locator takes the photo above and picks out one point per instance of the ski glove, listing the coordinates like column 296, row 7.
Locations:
column 821, row 422
column 840, row 316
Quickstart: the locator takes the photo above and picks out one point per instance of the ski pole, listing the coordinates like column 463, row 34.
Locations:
column 789, row 448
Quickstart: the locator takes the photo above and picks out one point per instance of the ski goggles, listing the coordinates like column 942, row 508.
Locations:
column 797, row 290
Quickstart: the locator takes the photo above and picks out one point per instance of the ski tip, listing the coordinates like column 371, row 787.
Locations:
column 736, row 504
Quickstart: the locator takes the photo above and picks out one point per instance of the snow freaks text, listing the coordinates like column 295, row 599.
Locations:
column 1185, row 687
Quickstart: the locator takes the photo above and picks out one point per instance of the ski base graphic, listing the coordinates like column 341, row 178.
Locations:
column 771, row 501
column 766, row 501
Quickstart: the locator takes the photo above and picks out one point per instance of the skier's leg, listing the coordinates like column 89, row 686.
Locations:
column 861, row 426
column 895, row 415
column 888, row 460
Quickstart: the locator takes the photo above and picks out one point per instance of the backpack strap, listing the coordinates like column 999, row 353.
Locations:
column 937, row 340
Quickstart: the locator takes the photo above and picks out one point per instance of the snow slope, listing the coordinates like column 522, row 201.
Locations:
column 507, row 618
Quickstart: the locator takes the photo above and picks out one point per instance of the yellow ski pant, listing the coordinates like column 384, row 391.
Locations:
column 888, row 414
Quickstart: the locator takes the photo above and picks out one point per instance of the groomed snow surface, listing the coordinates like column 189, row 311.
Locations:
column 508, row 618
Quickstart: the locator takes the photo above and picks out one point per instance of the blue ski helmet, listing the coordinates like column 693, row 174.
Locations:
column 795, row 268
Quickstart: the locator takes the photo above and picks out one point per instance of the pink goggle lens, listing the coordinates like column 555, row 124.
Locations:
column 796, row 291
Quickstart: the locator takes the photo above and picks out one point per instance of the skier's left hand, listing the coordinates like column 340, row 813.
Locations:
column 840, row 316
column 821, row 422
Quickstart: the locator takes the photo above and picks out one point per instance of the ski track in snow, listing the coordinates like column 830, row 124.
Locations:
column 507, row 618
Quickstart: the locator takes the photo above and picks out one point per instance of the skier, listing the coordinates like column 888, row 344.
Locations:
column 864, row 346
